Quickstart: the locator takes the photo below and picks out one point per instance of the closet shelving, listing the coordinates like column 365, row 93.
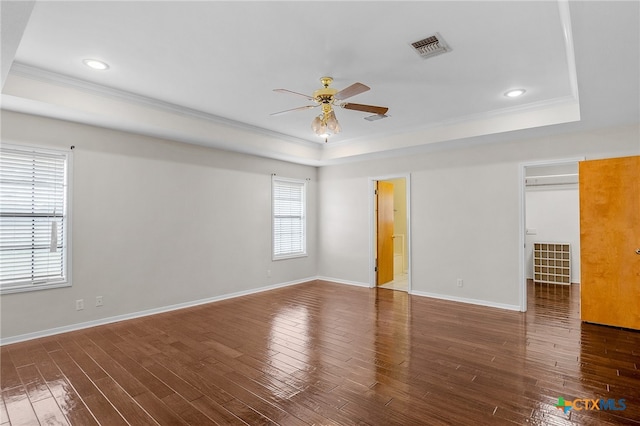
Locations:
column 552, row 263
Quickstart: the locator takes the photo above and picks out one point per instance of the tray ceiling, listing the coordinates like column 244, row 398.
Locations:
column 204, row 72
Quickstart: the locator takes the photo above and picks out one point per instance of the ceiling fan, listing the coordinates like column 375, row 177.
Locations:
column 327, row 97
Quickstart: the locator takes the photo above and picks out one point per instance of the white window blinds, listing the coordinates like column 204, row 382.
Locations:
column 33, row 218
column 289, row 221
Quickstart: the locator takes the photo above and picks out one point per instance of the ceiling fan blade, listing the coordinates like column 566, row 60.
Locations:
column 367, row 108
column 293, row 93
column 354, row 89
column 302, row 108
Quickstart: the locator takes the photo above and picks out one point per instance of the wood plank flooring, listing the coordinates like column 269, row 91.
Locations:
column 329, row 354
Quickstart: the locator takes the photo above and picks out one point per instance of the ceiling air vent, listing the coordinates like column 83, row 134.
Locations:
column 430, row 46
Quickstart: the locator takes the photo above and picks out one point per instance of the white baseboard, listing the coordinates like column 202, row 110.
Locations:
column 139, row 314
column 339, row 281
column 109, row 320
column 466, row 300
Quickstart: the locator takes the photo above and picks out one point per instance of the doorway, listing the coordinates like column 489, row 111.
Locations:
column 390, row 233
column 549, row 213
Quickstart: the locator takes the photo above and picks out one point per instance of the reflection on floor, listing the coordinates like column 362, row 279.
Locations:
column 400, row 282
column 332, row 354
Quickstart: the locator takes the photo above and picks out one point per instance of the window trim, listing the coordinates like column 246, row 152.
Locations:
column 274, row 180
column 67, row 235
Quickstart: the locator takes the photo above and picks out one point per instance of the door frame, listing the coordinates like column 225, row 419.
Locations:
column 522, row 252
column 372, row 227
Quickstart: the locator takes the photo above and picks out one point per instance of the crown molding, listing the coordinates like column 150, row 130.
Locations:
column 31, row 72
column 565, row 20
column 531, row 107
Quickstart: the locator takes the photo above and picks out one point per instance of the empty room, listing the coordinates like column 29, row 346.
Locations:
column 320, row 213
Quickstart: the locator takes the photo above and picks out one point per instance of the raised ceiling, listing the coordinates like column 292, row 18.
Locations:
column 203, row 72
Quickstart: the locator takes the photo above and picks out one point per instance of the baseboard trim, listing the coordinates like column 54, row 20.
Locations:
column 347, row 282
column 139, row 314
column 467, row 300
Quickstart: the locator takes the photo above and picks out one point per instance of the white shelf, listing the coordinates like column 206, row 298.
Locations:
column 552, row 263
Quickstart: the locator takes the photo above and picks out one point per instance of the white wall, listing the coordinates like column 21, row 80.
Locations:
column 464, row 212
column 554, row 213
column 156, row 223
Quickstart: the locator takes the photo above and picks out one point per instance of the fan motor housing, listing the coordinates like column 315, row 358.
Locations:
column 324, row 95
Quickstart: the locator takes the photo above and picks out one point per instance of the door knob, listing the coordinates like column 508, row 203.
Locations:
column 638, row 251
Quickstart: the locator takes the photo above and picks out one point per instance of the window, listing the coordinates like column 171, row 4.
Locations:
column 34, row 222
column 289, row 221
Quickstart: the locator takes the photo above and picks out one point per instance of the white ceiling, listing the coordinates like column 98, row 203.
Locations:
column 203, row 72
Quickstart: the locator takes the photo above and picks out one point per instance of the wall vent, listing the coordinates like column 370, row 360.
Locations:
column 375, row 117
column 430, row 46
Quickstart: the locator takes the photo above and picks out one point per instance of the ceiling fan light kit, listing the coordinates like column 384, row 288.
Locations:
column 326, row 124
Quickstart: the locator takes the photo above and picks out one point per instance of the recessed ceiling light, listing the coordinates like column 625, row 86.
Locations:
column 514, row 93
column 96, row 64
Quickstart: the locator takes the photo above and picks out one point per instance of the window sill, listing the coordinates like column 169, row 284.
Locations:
column 33, row 287
column 289, row 256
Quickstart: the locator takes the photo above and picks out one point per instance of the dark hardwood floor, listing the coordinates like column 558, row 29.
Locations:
column 330, row 354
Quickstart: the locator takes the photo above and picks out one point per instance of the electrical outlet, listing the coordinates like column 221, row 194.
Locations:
column 98, row 300
column 459, row 282
column 268, row 273
column 79, row 304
